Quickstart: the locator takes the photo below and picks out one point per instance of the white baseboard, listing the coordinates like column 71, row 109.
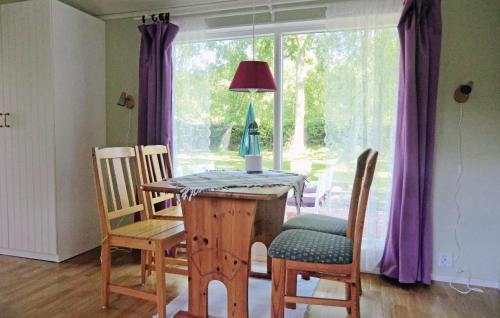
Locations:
column 33, row 255
column 61, row 257
column 463, row 280
column 447, row 279
column 75, row 252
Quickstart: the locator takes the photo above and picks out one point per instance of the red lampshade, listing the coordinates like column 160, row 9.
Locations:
column 253, row 76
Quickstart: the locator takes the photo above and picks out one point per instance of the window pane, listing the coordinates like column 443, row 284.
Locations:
column 208, row 117
column 339, row 99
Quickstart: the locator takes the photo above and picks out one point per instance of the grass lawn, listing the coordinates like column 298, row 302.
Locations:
column 315, row 161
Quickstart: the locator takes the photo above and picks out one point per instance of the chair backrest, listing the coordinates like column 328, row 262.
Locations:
column 116, row 179
column 356, row 189
column 155, row 165
column 369, row 171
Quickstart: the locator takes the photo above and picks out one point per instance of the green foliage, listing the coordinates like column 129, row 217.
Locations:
column 315, row 133
column 266, row 137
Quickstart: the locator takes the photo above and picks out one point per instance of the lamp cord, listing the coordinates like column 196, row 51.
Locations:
column 459, row 214
column 253, row 30
column 129, row 126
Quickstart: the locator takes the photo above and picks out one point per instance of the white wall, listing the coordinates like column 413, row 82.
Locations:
column 470, row 51
column 122, row 74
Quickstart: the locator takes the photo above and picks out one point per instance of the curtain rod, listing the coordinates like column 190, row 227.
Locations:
column 271, row 11
column 215, row 8
column 154, row 18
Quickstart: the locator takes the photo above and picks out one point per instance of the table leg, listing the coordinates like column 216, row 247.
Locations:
column 237, row 296
column 268, row 221
column 218, row 236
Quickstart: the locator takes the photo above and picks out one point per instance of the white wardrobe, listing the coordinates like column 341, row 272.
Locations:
column 52, row 86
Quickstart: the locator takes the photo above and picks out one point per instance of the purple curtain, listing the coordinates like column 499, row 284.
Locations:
column 155, row 84
column 407, row 254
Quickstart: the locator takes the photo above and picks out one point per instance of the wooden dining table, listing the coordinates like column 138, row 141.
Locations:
column 221, row 227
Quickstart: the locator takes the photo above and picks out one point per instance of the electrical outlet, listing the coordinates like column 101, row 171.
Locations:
column 445, row 260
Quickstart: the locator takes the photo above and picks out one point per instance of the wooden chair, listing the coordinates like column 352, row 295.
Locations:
column 329, row 224
column 156, row 165
column 117, row 198
column 322, row 255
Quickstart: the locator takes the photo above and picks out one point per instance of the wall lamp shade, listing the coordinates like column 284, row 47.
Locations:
column 253, row 76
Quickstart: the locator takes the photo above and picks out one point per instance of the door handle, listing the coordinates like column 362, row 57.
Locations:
column 1, row 126
column 5, row 120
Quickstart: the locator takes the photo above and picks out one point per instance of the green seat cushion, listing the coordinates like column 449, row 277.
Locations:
column 312, row 247
column 318, row 223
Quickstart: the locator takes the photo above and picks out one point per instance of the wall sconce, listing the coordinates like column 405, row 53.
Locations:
column 462, row 92
column 126, row 101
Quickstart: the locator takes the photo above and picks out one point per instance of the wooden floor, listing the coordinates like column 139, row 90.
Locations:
column 31, row 288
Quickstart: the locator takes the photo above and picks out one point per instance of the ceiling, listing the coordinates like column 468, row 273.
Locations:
column 120, row 8
column 106, row 7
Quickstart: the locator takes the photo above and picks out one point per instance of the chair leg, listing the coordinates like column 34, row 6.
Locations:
column 291, row 287
column 149, row 261
column 174, row 252
column 348, row 296
column 160, row 281
column 278, row 288
column 105, row 272
column 143, row 266
column 355, row 301
column 269, row 265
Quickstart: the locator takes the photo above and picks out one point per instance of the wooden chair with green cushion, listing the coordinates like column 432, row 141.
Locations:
column 329, row 224
column 323, row 255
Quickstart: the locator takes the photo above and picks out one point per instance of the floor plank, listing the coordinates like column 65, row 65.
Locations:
column 30, row 288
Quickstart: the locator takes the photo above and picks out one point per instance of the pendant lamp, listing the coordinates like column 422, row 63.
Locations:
column 253, row 76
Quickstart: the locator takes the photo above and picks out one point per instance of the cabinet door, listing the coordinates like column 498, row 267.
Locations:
column 4, row 216
column 29, row 142
column 79, row 77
